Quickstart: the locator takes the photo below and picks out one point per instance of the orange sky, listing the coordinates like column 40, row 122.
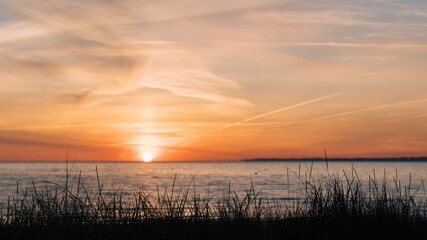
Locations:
column 212, row 80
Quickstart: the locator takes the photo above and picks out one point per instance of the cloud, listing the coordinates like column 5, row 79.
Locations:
column 28, row 138
column 17, row 141
column 19, row 30
column 87, row 51
column 293, row 17
column 186, row 75
column 357, row 45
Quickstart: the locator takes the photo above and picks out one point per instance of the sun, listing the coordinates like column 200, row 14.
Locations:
column 147, row 156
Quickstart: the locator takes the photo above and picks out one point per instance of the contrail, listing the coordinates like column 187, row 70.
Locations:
column 273, row 112
column 354, row 111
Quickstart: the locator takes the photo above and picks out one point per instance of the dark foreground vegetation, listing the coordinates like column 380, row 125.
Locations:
column 332, row 208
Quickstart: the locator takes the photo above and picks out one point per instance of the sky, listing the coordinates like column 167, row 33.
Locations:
column 212, row 80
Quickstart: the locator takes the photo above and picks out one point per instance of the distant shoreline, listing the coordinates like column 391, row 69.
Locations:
column 400, row 159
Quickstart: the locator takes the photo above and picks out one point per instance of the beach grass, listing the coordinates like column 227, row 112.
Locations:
column 329, row 208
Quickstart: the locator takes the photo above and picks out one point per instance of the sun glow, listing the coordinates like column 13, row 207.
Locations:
column 147, row 156
column 147, row 148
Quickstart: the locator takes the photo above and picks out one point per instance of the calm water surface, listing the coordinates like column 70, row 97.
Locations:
column 277, row 180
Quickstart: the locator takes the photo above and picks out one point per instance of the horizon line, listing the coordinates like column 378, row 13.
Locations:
column 329, row 159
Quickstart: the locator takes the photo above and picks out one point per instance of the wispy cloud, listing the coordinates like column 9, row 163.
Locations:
column 19, row 30
column 186, row 75
column 358, row 45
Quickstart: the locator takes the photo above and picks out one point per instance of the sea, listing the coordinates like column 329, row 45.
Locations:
column 275, row 180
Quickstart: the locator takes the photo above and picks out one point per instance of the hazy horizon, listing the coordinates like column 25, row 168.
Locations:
column 190, row 80
column 260, row 159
